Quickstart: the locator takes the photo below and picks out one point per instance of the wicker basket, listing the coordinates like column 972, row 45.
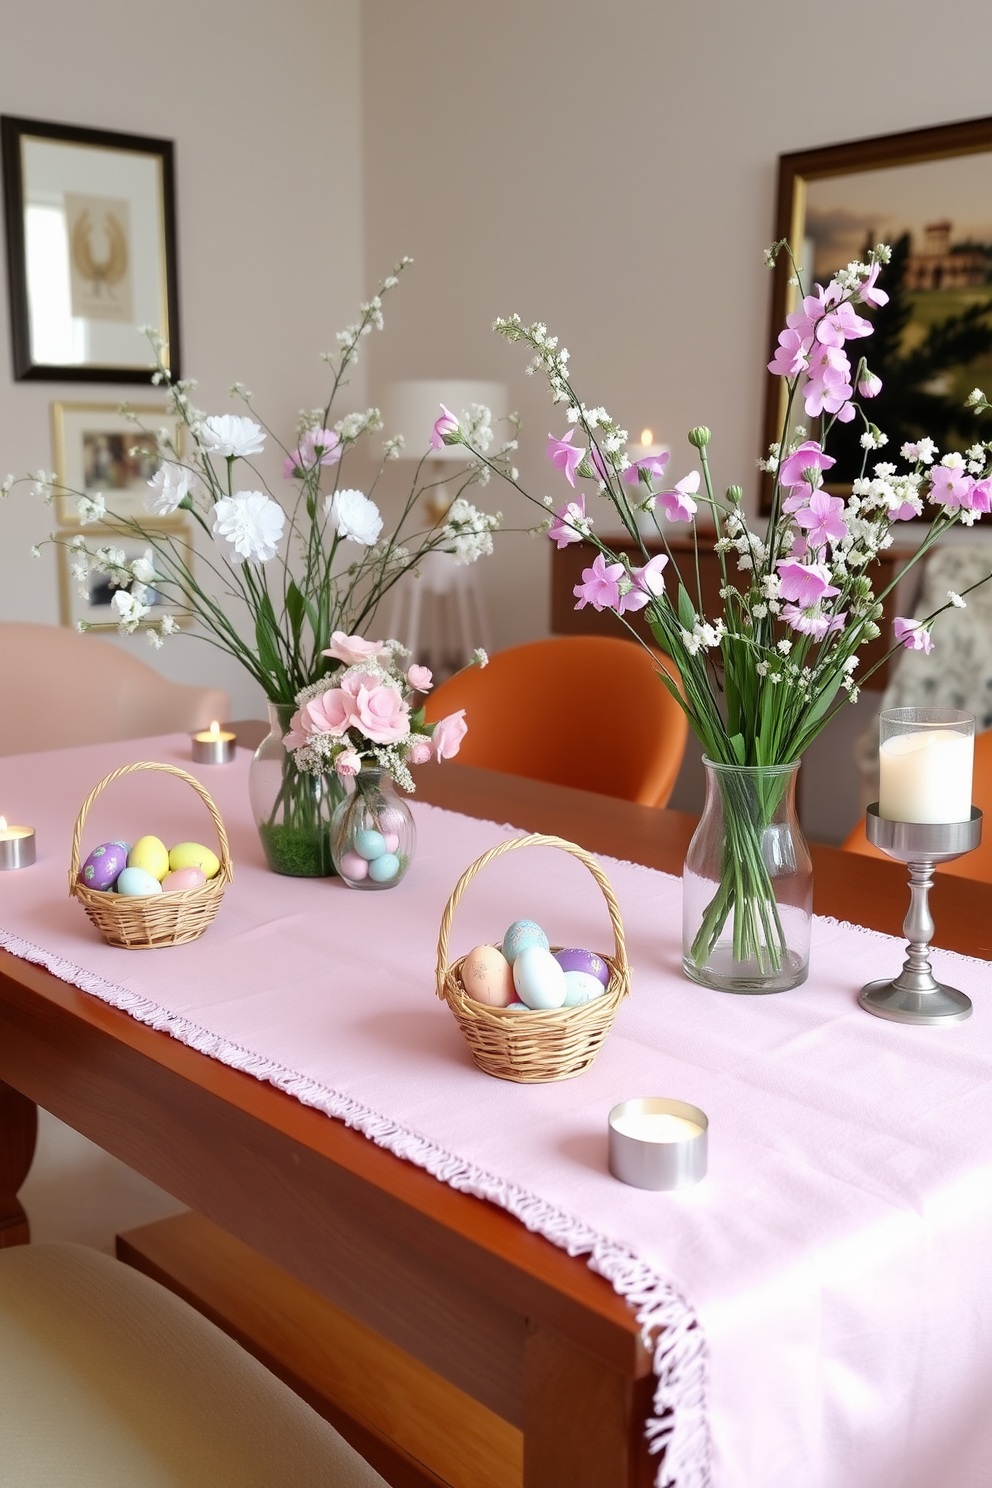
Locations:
column 535, row 1047
column 143, row 924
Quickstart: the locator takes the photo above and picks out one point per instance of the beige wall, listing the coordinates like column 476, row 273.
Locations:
column 263, row 102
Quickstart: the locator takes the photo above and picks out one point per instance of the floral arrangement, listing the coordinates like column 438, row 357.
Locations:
column 760, row 680
column 362, row 714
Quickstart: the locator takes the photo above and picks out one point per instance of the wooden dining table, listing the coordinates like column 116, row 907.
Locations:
column 446, row 1341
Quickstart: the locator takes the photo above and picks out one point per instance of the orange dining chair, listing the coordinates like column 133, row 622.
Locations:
column 59, row 689
column 977, row 864
column 586, row 711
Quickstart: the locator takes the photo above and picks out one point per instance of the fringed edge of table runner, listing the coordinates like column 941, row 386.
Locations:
column 678, row 1429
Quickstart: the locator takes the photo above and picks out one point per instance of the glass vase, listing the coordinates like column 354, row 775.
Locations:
column 373, row 833
column 292, row 808
column 747, row 888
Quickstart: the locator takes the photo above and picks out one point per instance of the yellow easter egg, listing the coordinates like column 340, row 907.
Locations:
column 151, row 854
column 193, row 855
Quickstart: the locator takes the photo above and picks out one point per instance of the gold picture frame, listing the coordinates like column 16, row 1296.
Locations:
column 93, row 446
column 94, row 607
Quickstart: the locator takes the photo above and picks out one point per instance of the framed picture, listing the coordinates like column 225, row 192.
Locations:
column 100, row 451
column 928, row 194
column 91, row 251
column 91, row 598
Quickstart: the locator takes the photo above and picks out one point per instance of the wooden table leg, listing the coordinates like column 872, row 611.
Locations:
column 18, row 1133
column 583, row 1420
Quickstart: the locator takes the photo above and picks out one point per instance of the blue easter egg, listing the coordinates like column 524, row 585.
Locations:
column 539, row 980
column 369, row 844
column 384, row 867
column 523, row 933
column 137, row 883
column 581, row 987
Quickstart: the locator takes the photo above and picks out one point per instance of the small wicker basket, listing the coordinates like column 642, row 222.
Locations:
column 143, row 924
column 535, row 1047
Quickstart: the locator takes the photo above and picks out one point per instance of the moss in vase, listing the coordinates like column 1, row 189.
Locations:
column 297, row 852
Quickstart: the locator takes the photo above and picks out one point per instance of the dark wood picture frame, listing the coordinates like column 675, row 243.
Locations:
column 970, row 137
column 14, row 132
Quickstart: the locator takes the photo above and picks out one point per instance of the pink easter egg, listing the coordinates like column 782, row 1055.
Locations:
column 392, row 841
column 183, row 878
column 353, row 866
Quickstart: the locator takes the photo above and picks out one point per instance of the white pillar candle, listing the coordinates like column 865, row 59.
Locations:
column 656, row 1126
column 925, row 776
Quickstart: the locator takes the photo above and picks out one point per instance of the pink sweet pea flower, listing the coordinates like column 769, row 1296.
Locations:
column 317, row 447
column 822, row 519
column 444, row 427
column 381, row 713
column 648, row 584
column 912, row 634
column 842, row 324
column 808, row 457
column 599, row 585
column 420, row 750
column 951, row 486
column 348, row 764
column 868, row 294
column 352, row 649
column 563, row 457
column 678, row 504
column 870, row 385
column 651, row 465
column 980, row 496
column 812, row 622
column 570, row 523
column 448, row 735
column 828, row 388
column 333, row 712
column 790, row 356
column 297, row 735
column 805, row 583
column 814, row 307
column 420, row 678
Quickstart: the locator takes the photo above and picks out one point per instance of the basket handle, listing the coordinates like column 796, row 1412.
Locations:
column 533, row 839
column 226, row 867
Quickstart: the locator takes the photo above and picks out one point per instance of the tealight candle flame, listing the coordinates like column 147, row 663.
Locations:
column 215, row 728
column 647, row 438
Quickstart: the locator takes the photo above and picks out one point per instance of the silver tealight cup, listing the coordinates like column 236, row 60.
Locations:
column 17, row 846
column 658, row 1143
column 214, row 746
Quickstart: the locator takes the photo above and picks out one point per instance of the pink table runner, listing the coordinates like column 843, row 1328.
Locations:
column 837, row 1255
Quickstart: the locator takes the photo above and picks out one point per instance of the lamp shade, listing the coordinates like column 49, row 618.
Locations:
column 412, row 409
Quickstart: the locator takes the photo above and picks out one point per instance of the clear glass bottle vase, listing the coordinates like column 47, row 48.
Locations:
column 292, row 809
column 373, row 834
column 747, row 888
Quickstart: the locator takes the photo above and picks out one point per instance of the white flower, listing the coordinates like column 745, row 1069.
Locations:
column 480, row 657
column 170, row 485
column 143, row 569
column 956, row 600
column 35, row 551
column 168, row 625
column 154, row 639
column 252, row 523
column 229, row 435
column 91, row 509
column 974, row 397
column 354, row 516
column 468, row 531
column 130, row 611
column 7, row 486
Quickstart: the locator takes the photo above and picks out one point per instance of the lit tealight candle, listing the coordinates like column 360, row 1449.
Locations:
column 213, row 746
column 925, row 763
column 17, row 846
column 658, row 1143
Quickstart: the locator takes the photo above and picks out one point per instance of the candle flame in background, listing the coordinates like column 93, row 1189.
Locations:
column 215, row 728
column 647, row 437
column 3, row 824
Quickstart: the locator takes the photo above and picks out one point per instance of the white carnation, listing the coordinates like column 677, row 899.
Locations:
column 229, row 435
column 170, row 485
column 354, row 516
column 252, row 523
column 130, row 611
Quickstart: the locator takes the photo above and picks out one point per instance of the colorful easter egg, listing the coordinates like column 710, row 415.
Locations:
column 103, row 865
column 392, row 841
column 488, row 977
column 539, row 980
column 574, row 959
column 138, row 883
column 194, row 855
column 581, row 987
column 151, row 854
column 384, row 868
column 183, row 878
column 369, row 844
column 523, row 933
column 354, row 867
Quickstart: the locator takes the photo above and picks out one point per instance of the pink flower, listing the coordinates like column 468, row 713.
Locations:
column 828, row 388
column 651, row 465
column 678, row 504
column 599, row 585
column 443, row 429
column 912, row 634
column 563, row 457
column 598, row 463
column 569, row 523
column 317, row 447
column 870, row 385
column 980, row 496
column 814, row 307
column 333, row 712
column 648, row 584
column 790, row 358
column 380, row 712
column 812, row 622
column 420, row 678
column 842, row 324
column 348, row 764
column 448, row 735
column 352, row 649
column 822, row 519
column 805, row 583
column 868, row 294
column 797, row 467
column 419, row 751
column 951, row 486
column 297, row 735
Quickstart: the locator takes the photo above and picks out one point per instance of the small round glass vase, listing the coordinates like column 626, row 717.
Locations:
column 747, row 888
column 292, row 808
column 372, row 832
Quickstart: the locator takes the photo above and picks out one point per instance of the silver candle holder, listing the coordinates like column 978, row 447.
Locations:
column 915, row 995
column 17, row 847
column 658, row 1143
column 214, row 746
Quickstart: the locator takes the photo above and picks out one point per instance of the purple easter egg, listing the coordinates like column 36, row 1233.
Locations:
column 104, row 865
column 577, row 960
